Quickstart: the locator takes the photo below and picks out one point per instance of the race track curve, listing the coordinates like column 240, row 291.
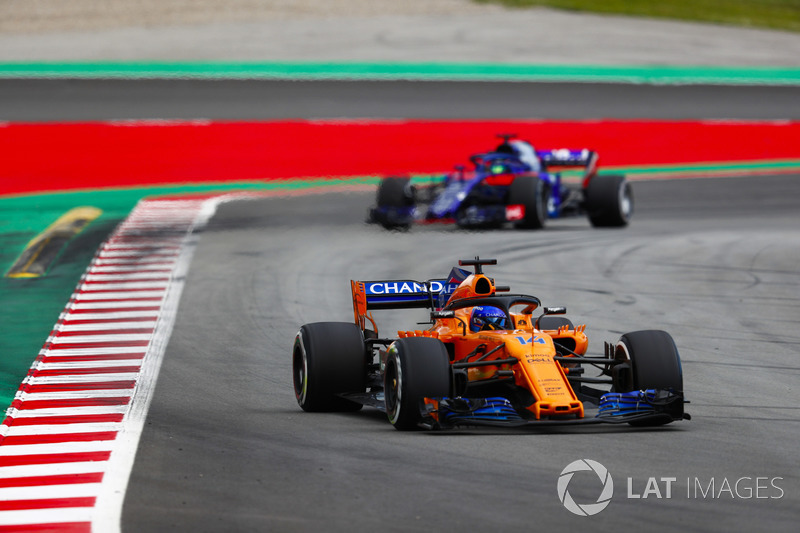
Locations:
column 712, row 261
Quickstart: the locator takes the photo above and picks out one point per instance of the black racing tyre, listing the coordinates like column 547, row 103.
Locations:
column 395, row 196
column 609, row 201
column 395, row 191
column 531, row 192
column 416, row 368
column 328, row 358
column 655, row 364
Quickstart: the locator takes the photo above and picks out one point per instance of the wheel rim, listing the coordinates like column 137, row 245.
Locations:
column 625, row 202
column 300, row 371
column 393, row 389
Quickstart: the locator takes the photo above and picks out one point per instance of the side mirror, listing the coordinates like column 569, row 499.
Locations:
column 449, row 314
column 550, row 311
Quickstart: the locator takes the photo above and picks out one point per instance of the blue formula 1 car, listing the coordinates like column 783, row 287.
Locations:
column 514, row 183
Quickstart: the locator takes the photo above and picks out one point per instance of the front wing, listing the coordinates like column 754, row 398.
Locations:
column 476, row 216
column 657, row 407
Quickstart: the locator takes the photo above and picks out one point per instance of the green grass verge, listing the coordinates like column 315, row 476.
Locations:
column 31, row 306
column 772, row 14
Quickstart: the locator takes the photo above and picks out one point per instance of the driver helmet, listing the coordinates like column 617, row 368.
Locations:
column 498, row 167
column 527, row 154
column 487, row 318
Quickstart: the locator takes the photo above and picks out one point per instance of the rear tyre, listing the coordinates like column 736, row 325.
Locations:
column 329, row 358
column 531, row 192
column 654, row 364
column 609, row 201
column 416, row 368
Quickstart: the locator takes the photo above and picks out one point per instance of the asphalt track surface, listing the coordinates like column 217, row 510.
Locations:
column 81, row 100
column 713, row 261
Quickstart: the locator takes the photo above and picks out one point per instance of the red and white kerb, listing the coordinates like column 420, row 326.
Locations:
column 68, row 441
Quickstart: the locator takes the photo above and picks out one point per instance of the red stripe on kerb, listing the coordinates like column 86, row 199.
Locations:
column 109, row 310
column 69, row 402
column 55, row 438
column 59, row 527
column 125, row 251
column 63, row 387
column 62, row 479
column 85, row 371
column 133, row 253
column 104, row 291
column 52, row 503
column 53, row 458
column 115, row 300
column 107, row 262
column 119, row 281
column 107, row 256
column 89, row 358
column 99, row 270
column 121, row 331
column 105, row 344
column 68, row 419
column 102, row 267
column 79, row 322
column 141, row 237
column 119, row 245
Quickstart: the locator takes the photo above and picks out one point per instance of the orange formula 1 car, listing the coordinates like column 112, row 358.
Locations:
column 488, row 358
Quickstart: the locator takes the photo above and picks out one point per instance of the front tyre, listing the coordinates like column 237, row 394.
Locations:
column 609, row 201
column 395, row 191
column 654, row 364
column 416, row 368
column 328, row 358
column 396, row 199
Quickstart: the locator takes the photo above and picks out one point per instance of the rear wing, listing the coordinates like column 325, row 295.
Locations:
column 402, row 294
column 565, row 157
